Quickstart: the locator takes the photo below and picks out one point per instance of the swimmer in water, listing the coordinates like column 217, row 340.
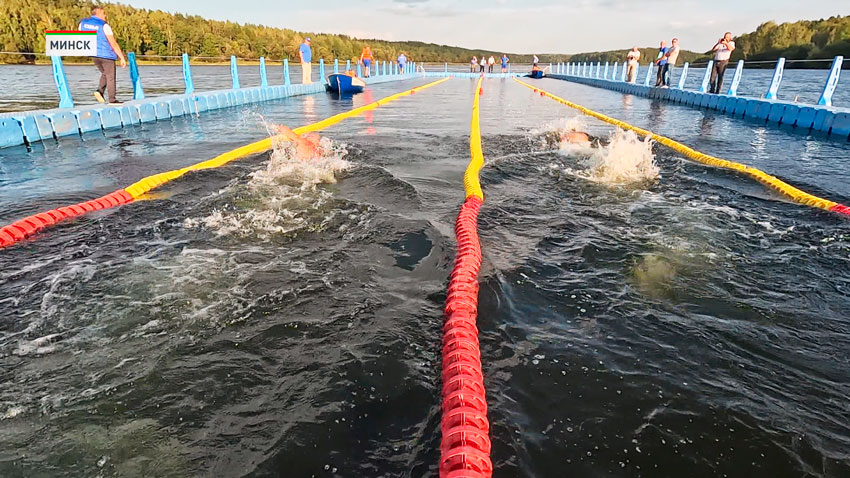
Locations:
column 307, row 145
column 556, row 138
column 575, row 137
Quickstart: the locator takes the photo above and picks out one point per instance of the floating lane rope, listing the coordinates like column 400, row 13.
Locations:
column 465, row 444
column 28, row 226
column 773, row 182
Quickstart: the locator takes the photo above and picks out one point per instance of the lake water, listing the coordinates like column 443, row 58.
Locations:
column 27, row 87
column 272, row 318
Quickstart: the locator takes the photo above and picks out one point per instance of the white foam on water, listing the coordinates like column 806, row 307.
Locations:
column 40, row 346
column 283, row 197
column 624, row 160
column 563, row 125
column 12, row 412
column 285, row 167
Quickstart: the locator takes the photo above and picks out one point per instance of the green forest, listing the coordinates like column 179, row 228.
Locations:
column 802, row 40
column 157, row 35
column 646, row 55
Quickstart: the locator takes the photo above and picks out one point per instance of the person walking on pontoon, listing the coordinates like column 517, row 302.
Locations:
column 366, row 58
column 108, row 51
column 305, row 54
column 722, row 52
column 402, row 63
column 633, row 59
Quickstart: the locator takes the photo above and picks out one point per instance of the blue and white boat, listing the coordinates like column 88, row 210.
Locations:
column 344, row 84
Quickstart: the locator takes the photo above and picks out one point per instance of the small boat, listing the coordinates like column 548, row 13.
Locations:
column 536, row 74
column 344, row 84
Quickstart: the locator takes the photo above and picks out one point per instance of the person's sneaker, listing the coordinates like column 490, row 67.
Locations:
column 99, row 97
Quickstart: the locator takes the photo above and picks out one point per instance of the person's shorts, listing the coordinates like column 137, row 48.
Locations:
column 401, row 66
column 367, row 63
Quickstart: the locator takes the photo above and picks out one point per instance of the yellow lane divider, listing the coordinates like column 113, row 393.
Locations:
column 470, row 177
column 144, row 185
column 777, row 184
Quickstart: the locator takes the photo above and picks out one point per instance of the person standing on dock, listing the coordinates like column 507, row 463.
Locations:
column 366, row 59
column 723, row 51
column 633, row 58
column 483, row 63
column 669, row 62
column 490, row 63
column 108, row 51
column 661, row 60
column 305, row 53
column 402, row 63
column 505, row 62
column 473, row 64
column 535, row 61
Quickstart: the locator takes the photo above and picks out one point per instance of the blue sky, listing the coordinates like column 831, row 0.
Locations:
column 531, row 26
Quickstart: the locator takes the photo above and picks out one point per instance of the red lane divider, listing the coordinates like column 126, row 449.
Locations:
column 465, row 445
column 28, row 226
column 841, row 209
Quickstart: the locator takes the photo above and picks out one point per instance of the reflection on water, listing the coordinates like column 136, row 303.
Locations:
column 640, row 315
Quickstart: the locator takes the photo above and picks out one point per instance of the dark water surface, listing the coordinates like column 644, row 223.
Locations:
column 692, row 325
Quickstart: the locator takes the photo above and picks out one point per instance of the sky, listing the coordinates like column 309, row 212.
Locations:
column 515, row 26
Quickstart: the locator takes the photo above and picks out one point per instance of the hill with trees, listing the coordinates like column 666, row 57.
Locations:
column 158, row 35
column 801, row 40
column 161, row 34
column 646, row 54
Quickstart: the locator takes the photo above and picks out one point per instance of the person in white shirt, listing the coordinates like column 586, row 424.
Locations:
column 535, row 61
column 490, row 62
column 473, row 64
column 633, row 58
column 668, row 61
column 483, row 63
column 723, row 51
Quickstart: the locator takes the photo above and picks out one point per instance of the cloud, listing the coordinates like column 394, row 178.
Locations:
column 408, row 8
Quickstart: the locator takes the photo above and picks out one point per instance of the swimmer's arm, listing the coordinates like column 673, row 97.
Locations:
column 288, row 133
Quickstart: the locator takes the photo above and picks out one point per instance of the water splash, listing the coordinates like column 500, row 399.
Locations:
column 563, row 125
column 285, row 167
column 624, row 160
column 283, row 197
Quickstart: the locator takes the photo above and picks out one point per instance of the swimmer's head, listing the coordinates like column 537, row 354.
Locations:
column 576, row 137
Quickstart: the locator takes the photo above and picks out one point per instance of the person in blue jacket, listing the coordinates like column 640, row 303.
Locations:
column 107, row 52
column 402, row 63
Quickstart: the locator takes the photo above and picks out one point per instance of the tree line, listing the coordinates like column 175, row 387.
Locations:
column 157, row 34
column 801, row 40
column 161, row 34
